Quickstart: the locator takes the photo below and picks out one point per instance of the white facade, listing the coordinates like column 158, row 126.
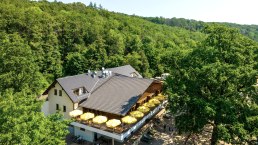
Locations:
column 62, row 101
column 45, row 108
column 84, row 134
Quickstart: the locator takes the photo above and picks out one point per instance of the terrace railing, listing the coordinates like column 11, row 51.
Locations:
column 119, row 129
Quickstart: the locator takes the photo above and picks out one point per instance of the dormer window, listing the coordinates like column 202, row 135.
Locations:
column 133, row 74
column 80, row 91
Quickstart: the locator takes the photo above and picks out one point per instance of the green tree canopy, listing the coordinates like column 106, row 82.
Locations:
column 22, row 121
column 18, row 69
column 213, row 85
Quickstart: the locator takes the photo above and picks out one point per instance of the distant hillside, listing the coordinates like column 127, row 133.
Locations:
column 250, row 31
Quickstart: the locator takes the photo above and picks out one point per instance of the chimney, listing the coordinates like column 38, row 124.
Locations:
column 93, row 74
column 105, row 73
column 102, row 72
column 80, row 91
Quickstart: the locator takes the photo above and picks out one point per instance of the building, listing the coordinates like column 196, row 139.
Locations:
column 113, row 93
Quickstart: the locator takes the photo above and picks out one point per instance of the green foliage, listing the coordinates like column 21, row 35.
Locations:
column 213, row 85
column 18, row 68
column 54, row 32
column 75, row 63
column 250, row 31
column 22, row 121
column 41, row 41
column 192, row 25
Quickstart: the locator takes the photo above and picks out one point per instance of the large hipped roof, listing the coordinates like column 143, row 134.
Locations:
column 117, row 95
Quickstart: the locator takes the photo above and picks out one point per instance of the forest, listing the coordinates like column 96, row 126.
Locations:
column 41, row 41
column 250, row 31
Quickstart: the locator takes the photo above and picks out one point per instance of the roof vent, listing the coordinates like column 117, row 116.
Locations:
column 94, row 74
column 105, row 73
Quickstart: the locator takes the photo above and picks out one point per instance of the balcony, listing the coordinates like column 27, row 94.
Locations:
column 119, row 132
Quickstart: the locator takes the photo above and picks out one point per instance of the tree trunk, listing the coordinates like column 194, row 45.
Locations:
column 214, row 137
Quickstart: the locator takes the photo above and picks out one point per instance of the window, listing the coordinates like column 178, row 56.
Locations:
column 55, row 92
column 64, row 108
column 57, row 106
column 80, row 91
column 82, row 129
column 60, row 92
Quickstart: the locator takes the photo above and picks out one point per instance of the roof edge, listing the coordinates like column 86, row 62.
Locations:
column 73, row 101
column 141, row 95
column 51, row 86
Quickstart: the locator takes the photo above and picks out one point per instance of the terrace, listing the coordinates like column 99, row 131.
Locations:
column 119, row 127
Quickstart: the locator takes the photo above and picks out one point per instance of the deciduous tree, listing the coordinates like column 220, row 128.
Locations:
column 213, row 85
column 22, row 121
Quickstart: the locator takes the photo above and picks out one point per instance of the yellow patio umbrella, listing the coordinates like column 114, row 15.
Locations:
column 143, row 109
column 129, row 119
column 149, row 104
column 136, row 114
column 87, row 116
column 99, row 119
column 112, row 123
column 160, row 97
column 154, row 101
column 75, row 113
